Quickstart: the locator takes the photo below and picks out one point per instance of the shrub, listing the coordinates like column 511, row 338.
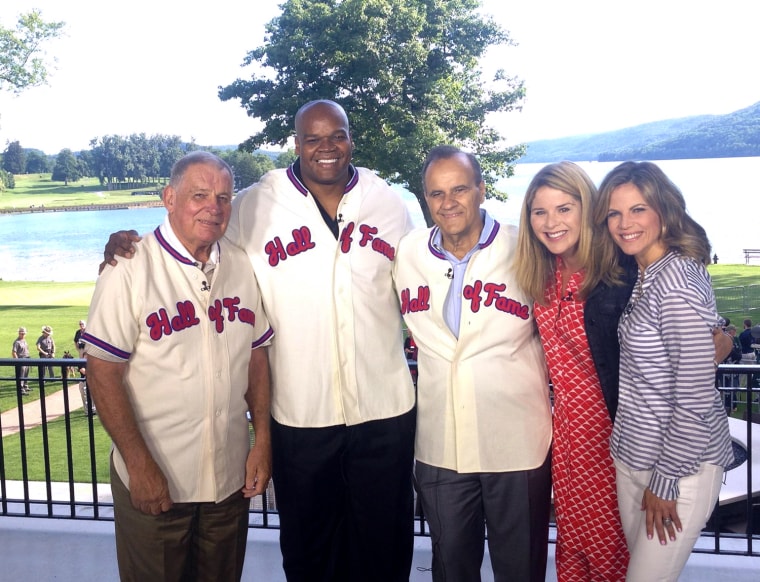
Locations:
column 7, row 181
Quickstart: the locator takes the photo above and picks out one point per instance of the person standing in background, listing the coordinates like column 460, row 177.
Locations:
column 78, row 338
column 21, row 350
column 746, row 341
column 46, row 348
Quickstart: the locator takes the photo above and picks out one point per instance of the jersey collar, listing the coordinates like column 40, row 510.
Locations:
column 487, row 236
column 294, row 175
column 170, row 243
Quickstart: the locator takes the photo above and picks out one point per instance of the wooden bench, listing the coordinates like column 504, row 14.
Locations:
column 751, row 254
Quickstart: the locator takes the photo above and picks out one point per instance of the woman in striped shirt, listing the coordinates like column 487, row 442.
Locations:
column 670, row 438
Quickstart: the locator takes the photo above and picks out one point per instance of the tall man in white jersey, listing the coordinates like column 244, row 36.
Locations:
column 322, row 235
column 175, row 360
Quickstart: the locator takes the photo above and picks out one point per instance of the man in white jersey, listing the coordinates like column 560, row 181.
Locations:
column 483, row 416
column 322, row 235
column 175, row 359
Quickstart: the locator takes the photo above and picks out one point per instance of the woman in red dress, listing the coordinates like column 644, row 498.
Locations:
column 570, row 276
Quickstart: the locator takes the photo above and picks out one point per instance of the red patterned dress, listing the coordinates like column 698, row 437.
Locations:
column 590, row 541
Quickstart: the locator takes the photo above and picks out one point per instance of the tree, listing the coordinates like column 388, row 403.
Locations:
column 7, row 181
column 67, row 168
column 406, row 71
column 36, row 162
column 285, row 158
column 136, row 158
column 14, row 158
column 248, row 168
column 23, row 60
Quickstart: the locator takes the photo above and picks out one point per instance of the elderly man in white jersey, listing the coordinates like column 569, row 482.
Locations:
column 483, row 415
column 322, row 236
column 176, row 358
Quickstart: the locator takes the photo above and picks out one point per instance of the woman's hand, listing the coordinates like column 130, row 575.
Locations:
column 723, row 345
column 661, row 516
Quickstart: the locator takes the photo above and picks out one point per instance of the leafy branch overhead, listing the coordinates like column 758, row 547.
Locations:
column 407, row 73
column 23, row 61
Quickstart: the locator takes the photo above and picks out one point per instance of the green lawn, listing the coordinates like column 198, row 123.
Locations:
column 744, row 303
column 33, row 305
column 734, row 275
column 63, row 319
column 57, row 454
column 40, row 190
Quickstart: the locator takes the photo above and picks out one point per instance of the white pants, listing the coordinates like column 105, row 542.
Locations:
column 651, row 561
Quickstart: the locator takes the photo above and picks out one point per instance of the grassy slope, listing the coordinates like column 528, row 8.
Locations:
column 734, row 275
column 32, row 305
column 40, row 190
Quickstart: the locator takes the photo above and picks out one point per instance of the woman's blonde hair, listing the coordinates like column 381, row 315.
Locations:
column 534, row 263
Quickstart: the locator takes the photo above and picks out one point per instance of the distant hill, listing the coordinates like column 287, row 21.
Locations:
column 735, row 134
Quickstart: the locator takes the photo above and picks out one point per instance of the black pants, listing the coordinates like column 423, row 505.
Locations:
column 344, row 495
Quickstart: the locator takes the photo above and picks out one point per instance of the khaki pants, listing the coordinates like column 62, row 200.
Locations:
column 651, row 562
column 190, row 542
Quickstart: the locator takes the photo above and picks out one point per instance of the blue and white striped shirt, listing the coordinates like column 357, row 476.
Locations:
column 670, row 417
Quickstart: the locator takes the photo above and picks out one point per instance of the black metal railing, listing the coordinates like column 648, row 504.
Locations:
column 54, row 455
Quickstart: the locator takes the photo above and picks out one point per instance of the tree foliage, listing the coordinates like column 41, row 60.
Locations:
column 7, row 181
column 247, row 167
column 14, row 158
column 36, row 162
column 67, row 168
column 285, row 158
column 136, row 158
column 23, row 61
column 406, row 71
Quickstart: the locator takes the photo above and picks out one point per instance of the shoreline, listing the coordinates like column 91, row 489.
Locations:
column 82, row 207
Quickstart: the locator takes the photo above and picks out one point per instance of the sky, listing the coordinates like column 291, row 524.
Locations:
column 154, row 66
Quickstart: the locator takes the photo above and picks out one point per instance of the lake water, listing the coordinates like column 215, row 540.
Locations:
column 721, row 194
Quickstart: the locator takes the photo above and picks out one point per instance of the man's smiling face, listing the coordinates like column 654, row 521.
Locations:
column 324, row 146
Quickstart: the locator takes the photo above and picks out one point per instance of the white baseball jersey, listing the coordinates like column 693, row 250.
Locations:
column 187, row 339
column 338, row 358
column 483, row 399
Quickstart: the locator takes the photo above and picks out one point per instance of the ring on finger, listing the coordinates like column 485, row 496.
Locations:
column 667, row 521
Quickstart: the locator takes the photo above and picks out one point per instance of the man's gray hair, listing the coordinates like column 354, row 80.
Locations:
column 197, row 157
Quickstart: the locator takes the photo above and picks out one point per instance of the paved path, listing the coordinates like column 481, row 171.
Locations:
column 54, row 407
